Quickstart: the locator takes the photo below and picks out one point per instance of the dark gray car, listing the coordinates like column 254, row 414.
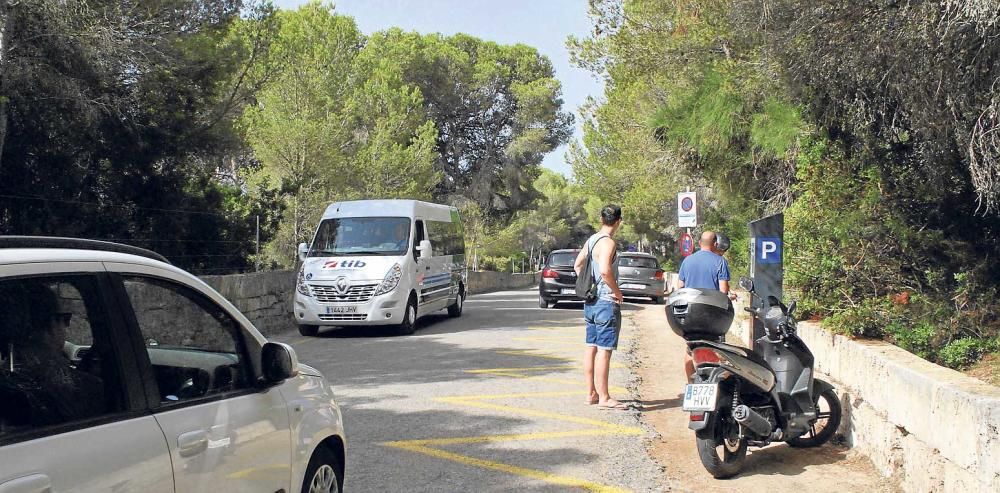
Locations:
column 639, row 275
column 558, row 281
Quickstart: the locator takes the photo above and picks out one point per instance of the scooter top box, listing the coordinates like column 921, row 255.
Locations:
column 699, row 313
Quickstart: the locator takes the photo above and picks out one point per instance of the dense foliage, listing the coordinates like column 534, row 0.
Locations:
column 116, row 130
column 872, row 125
column 178, row 125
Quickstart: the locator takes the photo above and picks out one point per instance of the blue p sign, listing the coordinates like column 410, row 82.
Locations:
column 769, row 250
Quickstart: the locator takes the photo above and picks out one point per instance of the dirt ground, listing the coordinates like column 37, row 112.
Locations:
column 658, row 362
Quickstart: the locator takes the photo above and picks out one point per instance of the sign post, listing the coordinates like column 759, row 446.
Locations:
column 766, row 262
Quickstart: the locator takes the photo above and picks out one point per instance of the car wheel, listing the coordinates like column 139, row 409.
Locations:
column 542, row 303
column 455, row 310
column 323, row 473
column 308, row 330
column 409, row 324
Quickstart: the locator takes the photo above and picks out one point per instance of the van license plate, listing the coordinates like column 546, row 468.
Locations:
column 700, row 397
column 567, row 291
column 341, row 309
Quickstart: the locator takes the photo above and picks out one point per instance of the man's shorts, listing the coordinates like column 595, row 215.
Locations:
column 604, row 323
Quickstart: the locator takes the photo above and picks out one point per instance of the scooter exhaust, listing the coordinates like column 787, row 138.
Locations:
column 752, row 420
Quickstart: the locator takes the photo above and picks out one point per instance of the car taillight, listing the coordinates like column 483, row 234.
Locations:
column 549, row 273
column 702, row 356
column 659, row 275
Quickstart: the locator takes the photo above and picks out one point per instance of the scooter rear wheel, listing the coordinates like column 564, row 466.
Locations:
column 723, row 456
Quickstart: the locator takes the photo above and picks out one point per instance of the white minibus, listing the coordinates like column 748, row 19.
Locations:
column 381, row 262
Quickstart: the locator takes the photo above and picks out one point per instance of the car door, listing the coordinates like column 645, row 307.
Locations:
column 224, row 433
column 79, row 423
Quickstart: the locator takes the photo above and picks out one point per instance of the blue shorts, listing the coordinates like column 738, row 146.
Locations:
column 604, row 322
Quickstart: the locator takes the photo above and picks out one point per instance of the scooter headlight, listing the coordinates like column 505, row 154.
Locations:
column 300, row 283
column 391, row 280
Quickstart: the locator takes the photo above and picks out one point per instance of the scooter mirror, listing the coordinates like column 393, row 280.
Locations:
column 791, row 308
column 746, row 283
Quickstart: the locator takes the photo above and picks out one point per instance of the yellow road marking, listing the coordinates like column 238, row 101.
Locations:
column 597, row 427
column 498, row 466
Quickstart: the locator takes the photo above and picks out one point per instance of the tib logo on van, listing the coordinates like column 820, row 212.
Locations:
column 344, row 264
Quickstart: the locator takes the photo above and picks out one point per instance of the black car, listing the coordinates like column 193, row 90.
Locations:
column 558, row 281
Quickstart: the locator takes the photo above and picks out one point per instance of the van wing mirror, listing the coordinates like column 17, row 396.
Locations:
column 746, row 283
column 303, row 251
column 425, row 249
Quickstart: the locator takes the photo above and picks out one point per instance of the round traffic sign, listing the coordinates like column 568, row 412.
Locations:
column 687, row 244
column 687, row 204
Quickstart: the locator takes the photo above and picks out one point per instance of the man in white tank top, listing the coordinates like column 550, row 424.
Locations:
column 603, row 315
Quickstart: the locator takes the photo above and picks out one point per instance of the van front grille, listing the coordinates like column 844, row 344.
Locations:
column 359, row 293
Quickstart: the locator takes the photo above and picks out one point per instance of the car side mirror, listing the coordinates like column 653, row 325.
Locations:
column 425, row 249
column 303, row 250
column 746, row 283
column 278, row 362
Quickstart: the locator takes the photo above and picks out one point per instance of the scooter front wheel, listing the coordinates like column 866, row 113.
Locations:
column 828, row 413
column 723, row 457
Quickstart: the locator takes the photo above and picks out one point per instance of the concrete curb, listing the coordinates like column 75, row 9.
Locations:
column 928, row 427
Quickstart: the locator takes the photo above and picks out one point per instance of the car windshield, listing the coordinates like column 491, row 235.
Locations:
column 640, row 262
column 562, row 259
column 361, row 236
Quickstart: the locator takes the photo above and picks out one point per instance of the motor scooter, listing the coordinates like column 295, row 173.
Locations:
column 739, row 397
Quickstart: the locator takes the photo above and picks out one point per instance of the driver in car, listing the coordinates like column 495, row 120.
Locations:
column 35, row 324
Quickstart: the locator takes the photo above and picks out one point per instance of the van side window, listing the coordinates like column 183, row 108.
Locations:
column 447, row 237
column 418, row 237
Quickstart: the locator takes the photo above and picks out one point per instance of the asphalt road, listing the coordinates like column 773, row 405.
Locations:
column 491, row 401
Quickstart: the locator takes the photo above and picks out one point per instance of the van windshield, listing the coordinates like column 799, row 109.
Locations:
column 361, row 236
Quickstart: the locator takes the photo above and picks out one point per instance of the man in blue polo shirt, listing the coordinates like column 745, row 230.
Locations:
column 704, row 269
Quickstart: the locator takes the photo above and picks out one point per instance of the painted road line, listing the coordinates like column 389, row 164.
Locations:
column 488, row 402
column 507, row 468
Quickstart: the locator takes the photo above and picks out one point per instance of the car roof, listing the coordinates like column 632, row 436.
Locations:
column 636, row 254
column 565, row 250
column 40, row 249
column 60, row 243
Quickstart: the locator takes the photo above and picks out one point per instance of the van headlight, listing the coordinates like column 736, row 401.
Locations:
column 391, row 280
column 300, row 284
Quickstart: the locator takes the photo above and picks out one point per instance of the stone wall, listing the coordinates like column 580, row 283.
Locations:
column 482, row 282
column 928, row 427
column 265, row 298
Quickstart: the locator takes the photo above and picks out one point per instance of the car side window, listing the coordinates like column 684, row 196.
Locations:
column 195, row 348
column 56, row 361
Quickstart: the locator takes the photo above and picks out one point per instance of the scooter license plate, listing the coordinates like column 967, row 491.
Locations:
column 700, row 397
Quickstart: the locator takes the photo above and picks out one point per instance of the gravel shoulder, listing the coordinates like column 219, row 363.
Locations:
column 656, row 359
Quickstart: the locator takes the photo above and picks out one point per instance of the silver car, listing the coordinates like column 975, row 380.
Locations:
column 639, row 275
column 120, row 372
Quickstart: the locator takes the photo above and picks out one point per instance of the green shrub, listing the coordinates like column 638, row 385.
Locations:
column 963, row 352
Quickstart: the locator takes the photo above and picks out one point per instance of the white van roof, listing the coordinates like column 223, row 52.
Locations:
column 389, row 208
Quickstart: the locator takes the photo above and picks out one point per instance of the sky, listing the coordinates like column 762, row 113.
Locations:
column 544, row 24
